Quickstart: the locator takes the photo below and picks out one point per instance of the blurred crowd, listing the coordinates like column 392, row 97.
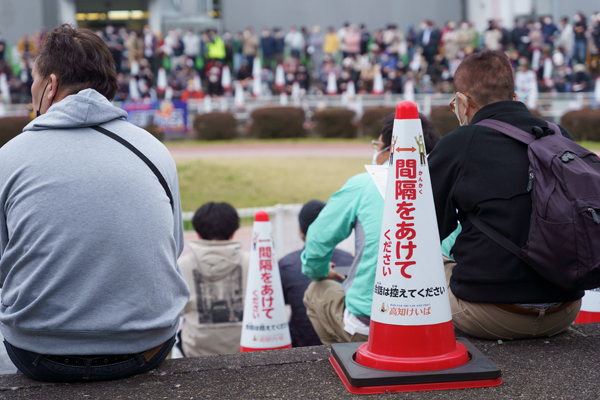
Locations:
column 553, row 56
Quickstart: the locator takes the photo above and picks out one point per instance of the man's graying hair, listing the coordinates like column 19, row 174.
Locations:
column 487, row 76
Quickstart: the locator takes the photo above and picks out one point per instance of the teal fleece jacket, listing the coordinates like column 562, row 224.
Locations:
column 88, row 241
column 357, row 205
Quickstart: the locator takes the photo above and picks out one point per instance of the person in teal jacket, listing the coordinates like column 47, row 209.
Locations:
column 341, row 312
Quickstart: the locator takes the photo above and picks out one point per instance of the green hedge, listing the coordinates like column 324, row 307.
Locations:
column 215, row 126
column 443, row 119
column 583, row 124
column 334, row 123
column 11, row 127
column 371, row 120
column 277, row 122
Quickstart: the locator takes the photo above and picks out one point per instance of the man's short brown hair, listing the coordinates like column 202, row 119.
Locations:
column 80, row 60
column 487, row 76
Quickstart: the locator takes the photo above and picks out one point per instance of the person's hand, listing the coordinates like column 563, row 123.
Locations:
column 333, row 274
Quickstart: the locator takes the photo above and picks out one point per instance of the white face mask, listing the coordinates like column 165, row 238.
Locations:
column 465, row 121
column 377, row 153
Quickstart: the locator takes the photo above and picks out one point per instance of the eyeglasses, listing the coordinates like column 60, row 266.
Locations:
column 453, row 102
column 375, row 144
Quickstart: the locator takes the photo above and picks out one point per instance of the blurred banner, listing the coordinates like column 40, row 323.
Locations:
column 169, row 116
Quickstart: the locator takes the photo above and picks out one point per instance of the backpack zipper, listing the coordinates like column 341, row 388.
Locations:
column 594, row 215
column 530, row 183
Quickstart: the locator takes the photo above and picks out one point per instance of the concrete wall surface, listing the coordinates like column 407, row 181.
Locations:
column 238, row 14
column 561, row 367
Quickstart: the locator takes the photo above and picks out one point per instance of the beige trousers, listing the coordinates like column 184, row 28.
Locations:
column 486, row 321
column 324, row 302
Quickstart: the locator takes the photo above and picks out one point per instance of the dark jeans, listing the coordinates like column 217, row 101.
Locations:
column 49, row 368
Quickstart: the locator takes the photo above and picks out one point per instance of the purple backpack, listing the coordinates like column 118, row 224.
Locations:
column 564, row 182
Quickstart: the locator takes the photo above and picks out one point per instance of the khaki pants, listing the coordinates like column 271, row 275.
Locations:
column 324, row 302
column 486, row 321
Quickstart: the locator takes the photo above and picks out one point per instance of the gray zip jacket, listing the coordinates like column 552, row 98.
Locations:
column 88, row 241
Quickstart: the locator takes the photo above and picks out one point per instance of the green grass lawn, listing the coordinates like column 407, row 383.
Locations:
column 254, row 182
column 185, row 143
column 263, row 182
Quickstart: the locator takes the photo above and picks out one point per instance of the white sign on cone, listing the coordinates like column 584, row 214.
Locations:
column 283, row 99
column 169, row 93
column 296, row 94
column 197, row 83
column 161, row 80
column 535, row 60
column 377, row 83
column 4, row 89
column 256, row 67
column 134, row 92
column 239, row 101
column 351, row 90
column 331, row 84
column 410, row 283
column 279, row 77
column 265, row 324
column 409, row 90
column 135, row 68
column 256, row 85
column 226, row 78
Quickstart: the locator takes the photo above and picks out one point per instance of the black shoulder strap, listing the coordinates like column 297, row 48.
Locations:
column 496, row 237
column 145, row 159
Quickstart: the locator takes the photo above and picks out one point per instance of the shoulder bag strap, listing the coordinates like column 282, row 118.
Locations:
column 495, row 236
column 145, row 159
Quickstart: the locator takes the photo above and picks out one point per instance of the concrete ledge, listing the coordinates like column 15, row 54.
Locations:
column 562, row 367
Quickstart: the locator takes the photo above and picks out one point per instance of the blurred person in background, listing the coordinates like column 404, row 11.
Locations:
column 492, row 38
column 429, row 40
column 267, row 47
column 278, row 45
column 365, row 38
column 315, row 47
column 135, row 49
column 215, row 270
column 580, row 43
column 549, row 31
column 295, row 283
column 566, row 38
column 250, row 45
column 2, row 47
column 331, row 43
column 294, row 40
column 191, row 44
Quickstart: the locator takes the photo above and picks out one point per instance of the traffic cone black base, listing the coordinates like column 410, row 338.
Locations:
column 479, row 372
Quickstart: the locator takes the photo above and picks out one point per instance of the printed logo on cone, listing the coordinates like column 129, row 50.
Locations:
column 410, row 284
column 265, row 324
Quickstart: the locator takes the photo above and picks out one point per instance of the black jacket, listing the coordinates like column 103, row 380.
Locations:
column 480, row 170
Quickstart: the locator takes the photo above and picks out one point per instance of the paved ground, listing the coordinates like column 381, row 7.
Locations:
column 274, row 150
column 563, row 367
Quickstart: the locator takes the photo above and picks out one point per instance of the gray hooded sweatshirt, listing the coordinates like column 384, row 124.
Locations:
column 88, row 241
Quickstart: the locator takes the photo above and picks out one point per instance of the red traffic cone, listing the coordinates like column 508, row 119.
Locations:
column 411, row 344
column 590, row 307
column 265, row 325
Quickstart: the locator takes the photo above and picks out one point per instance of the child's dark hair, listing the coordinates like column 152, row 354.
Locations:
column 216, row 221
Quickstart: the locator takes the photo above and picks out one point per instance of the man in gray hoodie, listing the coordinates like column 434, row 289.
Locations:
column 89, row 235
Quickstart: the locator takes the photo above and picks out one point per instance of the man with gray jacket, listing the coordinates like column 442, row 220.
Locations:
column 89, row 233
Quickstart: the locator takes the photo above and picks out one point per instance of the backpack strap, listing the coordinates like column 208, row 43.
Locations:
column 495, row 236
column 513, row 131
column 508, row 130
column 145, row 159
